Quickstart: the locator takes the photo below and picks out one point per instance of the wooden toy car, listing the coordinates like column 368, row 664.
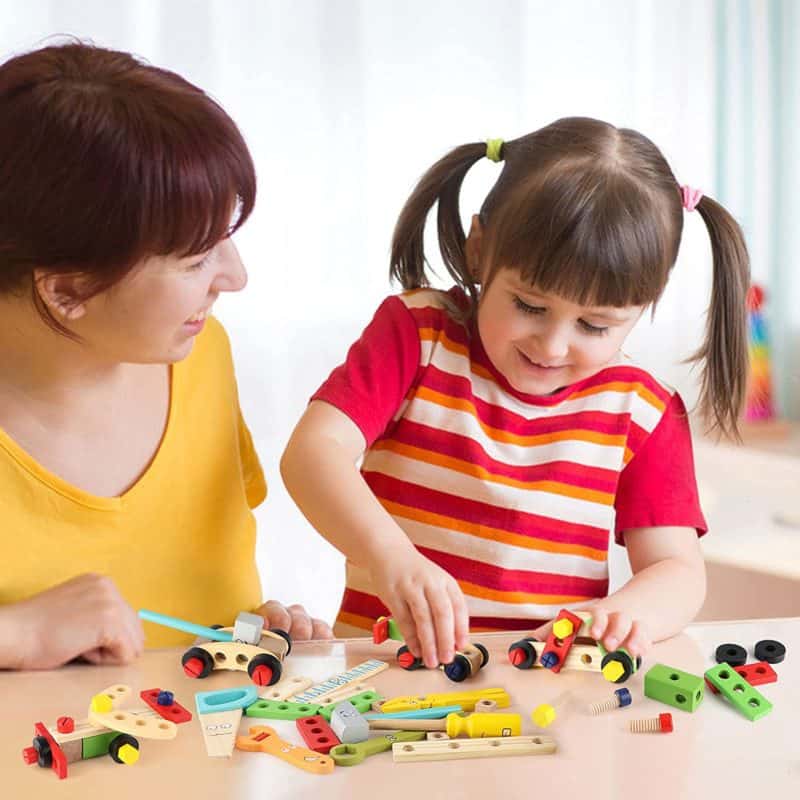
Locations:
column 246, row 646
column 573, row 649
column 106, row 730
column 466, row 663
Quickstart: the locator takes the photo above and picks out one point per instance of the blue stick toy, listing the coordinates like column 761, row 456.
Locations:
column 186, row 627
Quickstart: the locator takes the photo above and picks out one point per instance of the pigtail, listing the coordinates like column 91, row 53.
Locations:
column 724, row 351
column 442, row 183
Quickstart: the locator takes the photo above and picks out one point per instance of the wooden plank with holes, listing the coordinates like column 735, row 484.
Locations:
column 446, row 750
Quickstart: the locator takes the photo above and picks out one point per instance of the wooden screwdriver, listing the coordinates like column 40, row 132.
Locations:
column 473, row 725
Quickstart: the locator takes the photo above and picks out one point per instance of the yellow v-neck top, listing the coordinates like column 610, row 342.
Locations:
column 181, row 540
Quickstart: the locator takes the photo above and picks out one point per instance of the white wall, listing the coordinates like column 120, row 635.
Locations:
column 344, row 105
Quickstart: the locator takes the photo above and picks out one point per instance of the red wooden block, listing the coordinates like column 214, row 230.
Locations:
column 317, row 734
column 174, row 713
column 380, row 630
column 59, row 764
column 558, row 648
column 755, row 674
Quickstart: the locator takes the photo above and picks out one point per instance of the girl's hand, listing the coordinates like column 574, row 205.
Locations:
column 84, row 617
column 426, row 603
column 617, row 629
column 613, row 629
column 295, row 620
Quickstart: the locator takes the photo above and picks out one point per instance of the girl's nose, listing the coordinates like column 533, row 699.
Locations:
column 553, row 346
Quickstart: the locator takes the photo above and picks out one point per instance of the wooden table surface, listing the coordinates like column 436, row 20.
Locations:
column 714, row 752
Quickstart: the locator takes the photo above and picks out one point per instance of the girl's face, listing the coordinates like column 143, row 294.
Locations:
column 154, row 313
column 542, row 342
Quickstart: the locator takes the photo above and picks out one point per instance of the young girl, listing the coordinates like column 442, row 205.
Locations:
column 503, row 432
column 127, row 474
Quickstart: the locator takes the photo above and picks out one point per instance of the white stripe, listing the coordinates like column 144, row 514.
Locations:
column 532, row 501
column 500, row 554
column 463, row 423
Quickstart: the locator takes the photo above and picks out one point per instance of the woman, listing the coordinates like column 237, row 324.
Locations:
column 127, row 474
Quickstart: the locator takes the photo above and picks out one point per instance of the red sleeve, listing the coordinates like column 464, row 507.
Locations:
column 658, row 487
column 378, row 372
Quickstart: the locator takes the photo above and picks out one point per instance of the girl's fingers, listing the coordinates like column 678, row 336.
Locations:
column 619, row 626
column 443, row 624
column 420, row 611
column 599, row 624
column 638, row 641
column 402, row 616
column 460, row 617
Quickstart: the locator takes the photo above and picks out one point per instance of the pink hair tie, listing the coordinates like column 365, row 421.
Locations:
column 690, row 197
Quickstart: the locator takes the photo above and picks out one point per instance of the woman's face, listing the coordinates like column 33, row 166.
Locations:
column 154, row 313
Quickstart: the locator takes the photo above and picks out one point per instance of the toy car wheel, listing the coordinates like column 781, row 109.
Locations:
column 484, row 653
column 522, row 654
column 264, row 669
column 734, row 655
column 770, row 651
column 459, row 669
column 197, row 663
column 285, row 636
column 408, row 661
column 44, row 756
column 115, row 749
column 623, row 659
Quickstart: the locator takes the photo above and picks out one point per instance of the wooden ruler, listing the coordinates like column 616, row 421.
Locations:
column 335, row 683
column 445, row 750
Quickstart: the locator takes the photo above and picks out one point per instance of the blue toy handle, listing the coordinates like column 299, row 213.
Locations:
column 186, row 627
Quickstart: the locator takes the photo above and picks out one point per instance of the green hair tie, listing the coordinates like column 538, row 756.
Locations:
column 494, row 149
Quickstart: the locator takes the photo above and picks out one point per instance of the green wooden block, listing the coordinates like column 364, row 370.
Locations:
column 281, row 709
column 394, row 631
column 94, row 746
column 739, row 692
column 363, row 703
column 674, row 687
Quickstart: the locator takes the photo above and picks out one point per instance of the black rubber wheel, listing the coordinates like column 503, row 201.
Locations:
column 459, row 669
column 417, row 663
column 734, row 655
column 621, row 658
column 44, row 756
column 285, row 636
column 528, row 650
column 266, row 660
column 205, row 659
column 770, row 651
column 118, row 742
column 484, row 654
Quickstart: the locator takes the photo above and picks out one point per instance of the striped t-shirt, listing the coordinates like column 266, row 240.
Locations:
column 514, row 495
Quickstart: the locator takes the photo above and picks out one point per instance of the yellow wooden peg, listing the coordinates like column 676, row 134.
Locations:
column 128, row 754
column 563, row 628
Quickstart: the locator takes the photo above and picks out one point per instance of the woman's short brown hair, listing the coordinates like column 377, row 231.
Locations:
column 106, row 160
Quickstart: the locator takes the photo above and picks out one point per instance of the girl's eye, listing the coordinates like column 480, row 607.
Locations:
column 525, row 308
column 592, row 329
column 199, row 264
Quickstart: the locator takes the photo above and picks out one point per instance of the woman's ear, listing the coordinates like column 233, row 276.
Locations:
column 472, row 248
column 63, row 294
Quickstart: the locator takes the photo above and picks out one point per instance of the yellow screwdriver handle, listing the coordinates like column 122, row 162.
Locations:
column 480, row 724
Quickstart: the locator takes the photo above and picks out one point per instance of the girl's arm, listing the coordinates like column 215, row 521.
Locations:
column 664, row 595
column 320, row 470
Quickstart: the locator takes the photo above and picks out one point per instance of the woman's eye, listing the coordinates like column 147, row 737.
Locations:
column 525, row 308
column 199, row 264
column 593, row 329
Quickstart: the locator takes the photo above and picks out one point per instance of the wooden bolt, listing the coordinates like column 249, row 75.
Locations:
column 660, row 724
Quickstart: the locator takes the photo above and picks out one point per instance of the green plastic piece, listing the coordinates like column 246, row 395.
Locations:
column 94, row 746
column 281, row 709
column 348, row 755
column 363, row 703
column 747, row 700
column 393, row 631
column 675, row 688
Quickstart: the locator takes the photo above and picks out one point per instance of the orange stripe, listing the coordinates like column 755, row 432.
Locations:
column 481, row 473
column 431, row 334
column 624, row 387
column 356, row 620
column 518, row 598
column 499, row 435
column 492, row 534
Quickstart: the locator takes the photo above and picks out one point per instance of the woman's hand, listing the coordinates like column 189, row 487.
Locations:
column 84, row 617
column 295, row 620
column 426, row 603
